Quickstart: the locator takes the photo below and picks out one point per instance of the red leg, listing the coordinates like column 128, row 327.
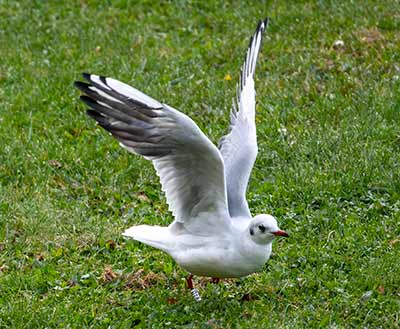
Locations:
column 193, row 290
column 215, row 280
column 190, row 281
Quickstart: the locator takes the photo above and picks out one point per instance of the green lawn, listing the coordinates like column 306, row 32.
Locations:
column 328, row 165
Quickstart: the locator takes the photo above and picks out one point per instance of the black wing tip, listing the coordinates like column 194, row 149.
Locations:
column 103, row 79
column 251, row 41
column 92, row 113
column 262, row 25
column 99, row 118
column 86, row 76
column 88, row 100
column 82, row 86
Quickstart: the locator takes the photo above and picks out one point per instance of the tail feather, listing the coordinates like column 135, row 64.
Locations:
column 156, row 236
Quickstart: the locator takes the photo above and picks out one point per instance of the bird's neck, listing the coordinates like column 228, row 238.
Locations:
column 251, row 249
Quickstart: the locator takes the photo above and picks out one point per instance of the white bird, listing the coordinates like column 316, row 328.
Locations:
column 213, row 233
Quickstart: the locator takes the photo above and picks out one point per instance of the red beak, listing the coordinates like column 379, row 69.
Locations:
column 280, row 233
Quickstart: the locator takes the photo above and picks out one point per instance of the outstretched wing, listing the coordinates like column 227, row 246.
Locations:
column 239, row 146
column 190, row 166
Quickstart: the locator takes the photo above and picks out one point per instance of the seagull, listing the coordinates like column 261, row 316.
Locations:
column 213, row 233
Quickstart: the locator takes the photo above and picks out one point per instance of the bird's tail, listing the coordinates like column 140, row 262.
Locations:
column 156, row 236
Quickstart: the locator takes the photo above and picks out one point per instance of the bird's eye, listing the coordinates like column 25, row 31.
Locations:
column 261, row 228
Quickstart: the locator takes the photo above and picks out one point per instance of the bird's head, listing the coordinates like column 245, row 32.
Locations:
column 264, row 228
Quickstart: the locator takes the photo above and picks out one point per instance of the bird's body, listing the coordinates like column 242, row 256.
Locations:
column 229, row 254
column 213, row 233
column 224, row 259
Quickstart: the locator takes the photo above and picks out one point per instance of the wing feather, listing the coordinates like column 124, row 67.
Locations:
column 239, row 147
column 190, row 167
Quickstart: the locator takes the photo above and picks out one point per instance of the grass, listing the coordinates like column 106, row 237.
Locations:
column 328, row 165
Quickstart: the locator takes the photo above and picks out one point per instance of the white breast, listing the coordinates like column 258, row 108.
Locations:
column 222, row 258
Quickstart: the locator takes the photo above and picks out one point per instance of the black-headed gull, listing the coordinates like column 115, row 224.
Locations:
column 213, row 233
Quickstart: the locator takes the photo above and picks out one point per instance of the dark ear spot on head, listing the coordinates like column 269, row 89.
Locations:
column 251, row 231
